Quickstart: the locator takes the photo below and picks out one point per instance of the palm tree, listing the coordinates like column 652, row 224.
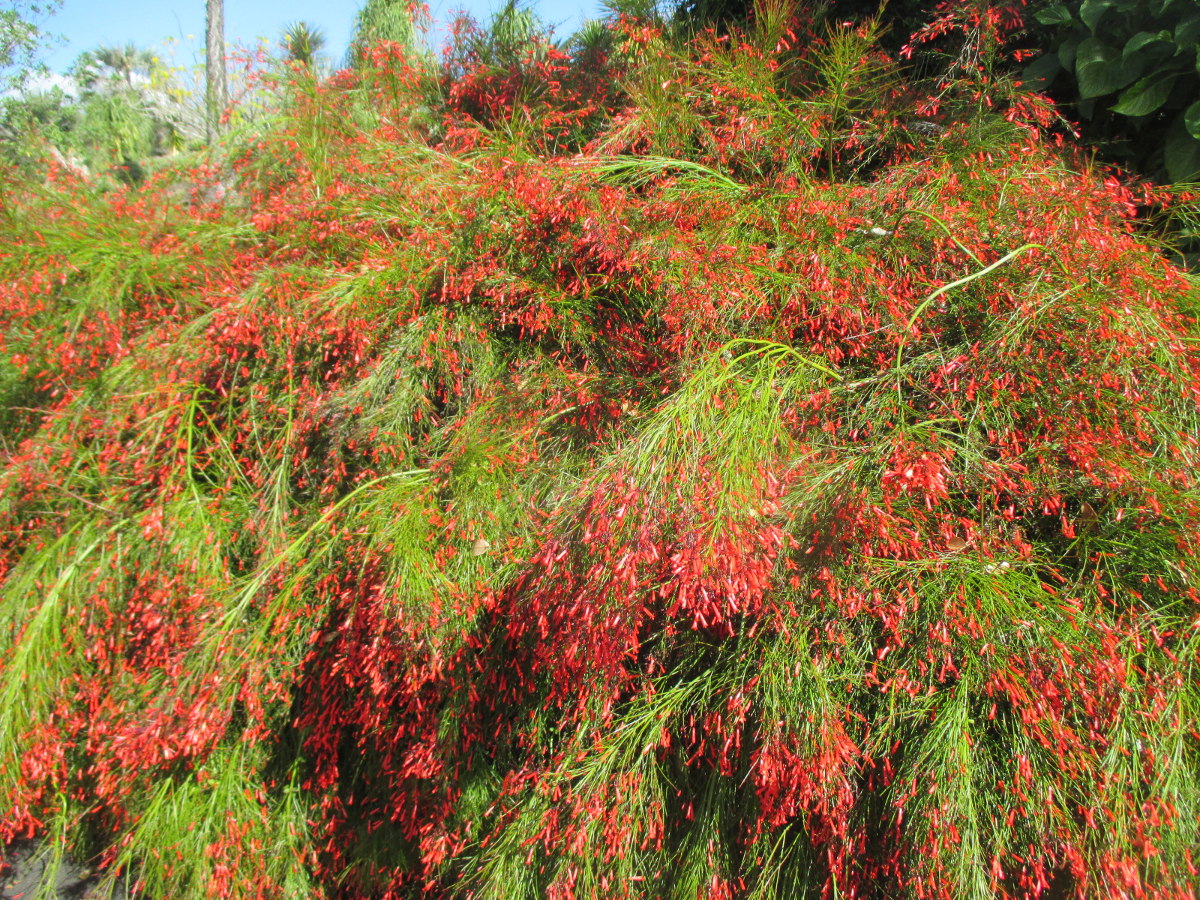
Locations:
column 302, row 42
column 107, row 68
column 217, row 91
column 125, row 61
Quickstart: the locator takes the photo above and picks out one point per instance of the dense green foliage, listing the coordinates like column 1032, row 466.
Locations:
column 22, row 37
column 126, row 110
column 1132, row 71
column 389, row 21
column 668, row 464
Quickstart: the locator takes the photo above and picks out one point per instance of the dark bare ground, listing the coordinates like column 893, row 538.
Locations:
column 24, row 876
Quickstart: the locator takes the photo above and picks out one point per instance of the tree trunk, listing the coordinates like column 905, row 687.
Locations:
column 216, row 90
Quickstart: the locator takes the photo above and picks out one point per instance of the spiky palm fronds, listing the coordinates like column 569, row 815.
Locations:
column 302, row 42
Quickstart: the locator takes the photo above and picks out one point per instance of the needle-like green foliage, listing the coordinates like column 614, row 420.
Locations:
column 656, row 464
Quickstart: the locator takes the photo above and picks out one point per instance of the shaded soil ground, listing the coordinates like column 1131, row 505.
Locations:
column 23, row 876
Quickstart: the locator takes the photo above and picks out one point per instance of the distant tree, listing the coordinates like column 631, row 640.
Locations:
column 112, row 67
column 31, row 121
column 21, row 37
column 302, row 42
column 125, row 61
column 216, row 87
column 382, row 20
column 125, row 107
column 115, row 117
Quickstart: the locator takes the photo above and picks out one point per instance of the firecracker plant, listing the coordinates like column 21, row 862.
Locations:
column 665, row 465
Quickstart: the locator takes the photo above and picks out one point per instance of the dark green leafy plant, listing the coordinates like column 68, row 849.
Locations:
column 1132, row 69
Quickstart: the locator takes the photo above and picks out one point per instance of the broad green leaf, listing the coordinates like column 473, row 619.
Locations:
column 1187, row 32
column 1092, row 11
column 1145, row 96
column 1100, row 69
column 1042, row 71
column 1181, row 154
column 1144, row 39
column 1067, row 51
column 1163, row 6
column 1191, row 119
column 1055, row 14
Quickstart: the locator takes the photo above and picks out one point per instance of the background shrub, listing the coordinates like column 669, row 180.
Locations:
column 1130, row 69
column 672, row 464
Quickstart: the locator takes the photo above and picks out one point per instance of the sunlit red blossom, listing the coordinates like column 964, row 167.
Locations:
column 409, row 473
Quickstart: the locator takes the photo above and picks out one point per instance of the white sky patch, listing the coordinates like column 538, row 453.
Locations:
column 41, row 82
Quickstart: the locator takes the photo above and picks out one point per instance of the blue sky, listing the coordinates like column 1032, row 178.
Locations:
column 85, row 24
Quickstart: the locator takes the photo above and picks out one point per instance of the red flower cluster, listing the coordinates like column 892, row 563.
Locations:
column 714, row 487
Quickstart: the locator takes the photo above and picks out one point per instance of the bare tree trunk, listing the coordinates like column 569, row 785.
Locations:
column 216, row 89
